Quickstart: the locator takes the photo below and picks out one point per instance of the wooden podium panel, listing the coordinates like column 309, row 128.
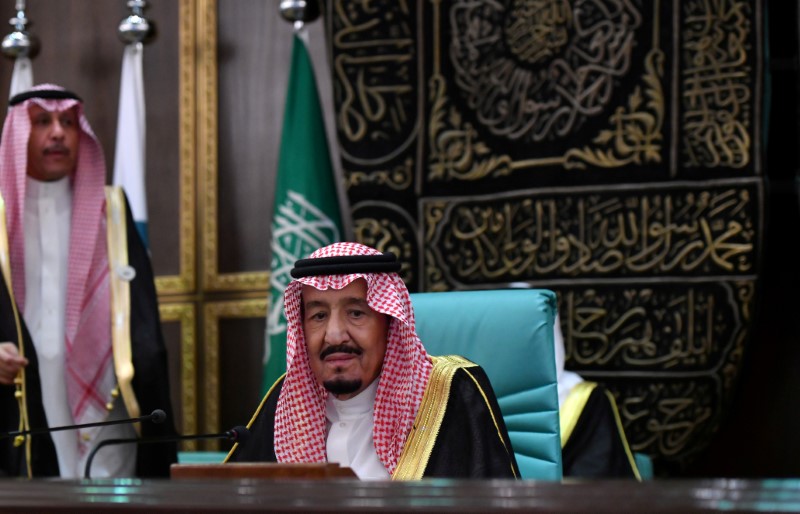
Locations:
column 261, row 470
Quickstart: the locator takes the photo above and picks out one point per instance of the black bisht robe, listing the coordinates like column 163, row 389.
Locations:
column 150, row 381
column 597, row 447
column 472, row 441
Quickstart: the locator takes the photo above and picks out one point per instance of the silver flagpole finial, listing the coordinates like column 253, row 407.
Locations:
column 135, row 28
column 299, row 12
column 20, row 42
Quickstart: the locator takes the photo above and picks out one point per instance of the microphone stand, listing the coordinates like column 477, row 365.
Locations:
column 157, row 416
column 235, row 434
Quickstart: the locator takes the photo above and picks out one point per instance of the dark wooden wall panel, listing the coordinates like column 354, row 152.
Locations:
column 162, row 92
column 253, row 51
column 172, row 335
column 240, row 369
column 251, row 42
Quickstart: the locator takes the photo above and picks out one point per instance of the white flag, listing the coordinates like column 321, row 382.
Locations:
column 21, row 77
column 129, row 158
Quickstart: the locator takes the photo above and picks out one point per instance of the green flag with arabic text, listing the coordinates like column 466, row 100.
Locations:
column 306, row 214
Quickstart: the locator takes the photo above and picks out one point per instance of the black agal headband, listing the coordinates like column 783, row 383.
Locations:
column 346, row 265
column 45, row 94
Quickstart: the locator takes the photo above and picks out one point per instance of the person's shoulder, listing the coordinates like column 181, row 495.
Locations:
column 113, row 189
column 275, row 390
column 596, row 394
column 116, row 199
column 270, row 399
column 464, row 377
column 453, row 362
column 589, row 405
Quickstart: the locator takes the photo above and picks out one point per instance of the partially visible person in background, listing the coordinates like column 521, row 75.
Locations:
column 593, row 440
column 80, row 334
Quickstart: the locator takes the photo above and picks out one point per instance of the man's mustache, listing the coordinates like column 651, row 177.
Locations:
column 339, row 348
column 56, row 148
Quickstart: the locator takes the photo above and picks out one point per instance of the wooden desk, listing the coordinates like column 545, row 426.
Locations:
column 260, row 470
column 248, row 495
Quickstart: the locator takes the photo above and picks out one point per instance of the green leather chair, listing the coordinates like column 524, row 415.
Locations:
column 201, row 457
column 510, row 334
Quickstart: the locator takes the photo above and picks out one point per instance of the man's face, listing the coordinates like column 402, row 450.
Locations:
column 346, row 339
column 53, row 145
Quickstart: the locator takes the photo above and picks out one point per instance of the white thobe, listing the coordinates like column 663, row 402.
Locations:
column 48, row 211
column 349, row 441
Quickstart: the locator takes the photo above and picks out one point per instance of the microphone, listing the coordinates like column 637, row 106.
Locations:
column 157, row 416
column 237, row 434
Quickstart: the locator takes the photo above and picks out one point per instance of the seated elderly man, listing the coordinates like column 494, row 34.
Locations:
column 360, row 389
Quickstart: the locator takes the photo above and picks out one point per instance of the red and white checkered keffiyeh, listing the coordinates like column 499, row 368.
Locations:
column 300, row 417
column 88, row 353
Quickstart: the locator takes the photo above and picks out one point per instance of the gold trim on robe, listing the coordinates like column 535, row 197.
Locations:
column 422, row 439
column 420, row 442
column 255, row 415
column 622, row 436
column 119, row 279
column 20, row 392
column 509, row 451
column 572, row 409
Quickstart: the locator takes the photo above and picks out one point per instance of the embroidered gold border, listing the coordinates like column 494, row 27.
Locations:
column 571, row 410
column 207, row 166
column 186, row 315
column 494, row 419
column 255, row 415
column 622, row 436
column 117, row 238
column 422, row 438
column 20, row 392
column 185, row 281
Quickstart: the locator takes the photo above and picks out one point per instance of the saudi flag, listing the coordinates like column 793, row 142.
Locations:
column 306, row 214
column 21, row 77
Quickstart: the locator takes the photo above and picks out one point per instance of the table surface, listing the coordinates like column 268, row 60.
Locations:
column 251, row 495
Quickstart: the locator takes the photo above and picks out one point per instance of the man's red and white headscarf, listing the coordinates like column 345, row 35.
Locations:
column 300, row 421
column 88, row 354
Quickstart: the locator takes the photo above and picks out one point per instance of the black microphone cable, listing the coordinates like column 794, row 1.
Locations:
column 237, row 434
column 157, row 416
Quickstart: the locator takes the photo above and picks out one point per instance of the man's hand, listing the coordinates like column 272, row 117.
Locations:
column 10, row 363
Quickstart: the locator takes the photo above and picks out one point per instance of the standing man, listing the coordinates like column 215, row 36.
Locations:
column 360, row 389
column 80, row 335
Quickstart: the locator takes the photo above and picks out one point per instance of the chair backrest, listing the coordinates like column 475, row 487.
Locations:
column 510, row 334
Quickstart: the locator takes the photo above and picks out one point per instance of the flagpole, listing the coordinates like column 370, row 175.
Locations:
column 21, row 46
column 130, row 155
column 300, row 13
column 307, row 212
